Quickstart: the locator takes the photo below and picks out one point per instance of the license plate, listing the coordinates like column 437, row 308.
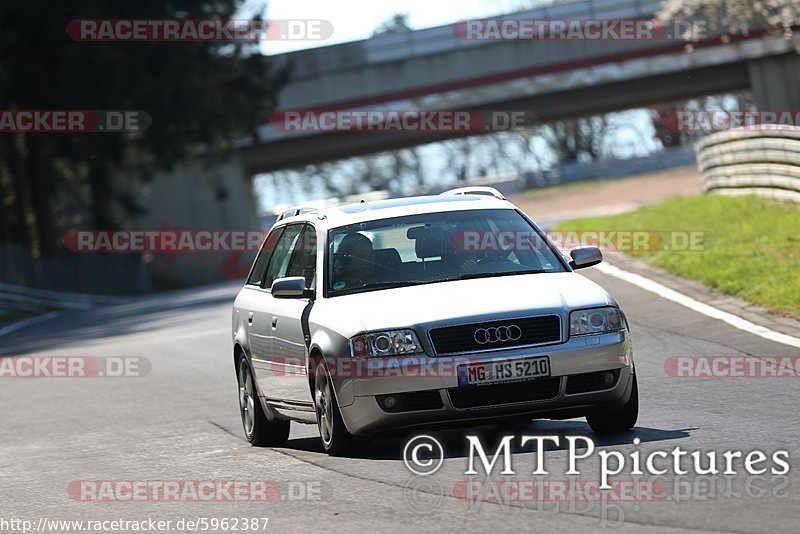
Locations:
column 495, row 372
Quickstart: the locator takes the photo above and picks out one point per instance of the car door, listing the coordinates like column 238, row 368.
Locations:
column 290, row 324
column 252, row 305
column 261, row 331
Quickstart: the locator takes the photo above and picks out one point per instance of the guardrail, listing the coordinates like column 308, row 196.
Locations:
column 752, row 161
column 13, row 297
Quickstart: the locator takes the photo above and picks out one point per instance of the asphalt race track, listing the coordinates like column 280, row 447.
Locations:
column 181, row 422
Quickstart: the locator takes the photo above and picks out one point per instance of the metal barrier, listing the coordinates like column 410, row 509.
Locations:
column 27, row 299
column 70, row 281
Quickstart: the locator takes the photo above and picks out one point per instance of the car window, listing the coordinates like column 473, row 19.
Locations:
column 304, row 256
column 435, row 247
column 279, row 262
column 264, row 255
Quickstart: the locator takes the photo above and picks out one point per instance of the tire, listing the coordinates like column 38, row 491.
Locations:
column 258, row 429
column 617, row 420
column 336, row 439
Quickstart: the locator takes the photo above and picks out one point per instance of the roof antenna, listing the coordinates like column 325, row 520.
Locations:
column 362, row 201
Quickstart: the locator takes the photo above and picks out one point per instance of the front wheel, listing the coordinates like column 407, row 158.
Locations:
column 617, row 420
column 336, row 439
column 258, row 430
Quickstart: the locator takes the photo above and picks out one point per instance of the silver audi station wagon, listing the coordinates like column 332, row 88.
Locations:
column 392, row 314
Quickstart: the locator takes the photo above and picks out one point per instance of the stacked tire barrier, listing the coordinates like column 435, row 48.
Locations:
column 752, row 161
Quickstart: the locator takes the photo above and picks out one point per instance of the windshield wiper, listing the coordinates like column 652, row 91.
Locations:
column 383, row 285
column 397, row 283
column 470, row 276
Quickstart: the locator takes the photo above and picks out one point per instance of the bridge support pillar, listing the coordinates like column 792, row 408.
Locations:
column 200, row 193
column 775, row 82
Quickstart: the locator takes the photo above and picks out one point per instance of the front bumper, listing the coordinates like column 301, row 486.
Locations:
column 363, row 415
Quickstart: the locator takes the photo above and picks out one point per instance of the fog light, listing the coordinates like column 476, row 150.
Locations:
column 608, row 379
column 389, row 402
column 360, row 347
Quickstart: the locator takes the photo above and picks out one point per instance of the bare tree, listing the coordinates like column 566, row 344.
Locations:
column 397, row 24
column 733, row 16
column 577, row 140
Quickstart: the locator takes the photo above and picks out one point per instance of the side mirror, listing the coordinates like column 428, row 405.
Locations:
column 292, row 287
column 585, row 257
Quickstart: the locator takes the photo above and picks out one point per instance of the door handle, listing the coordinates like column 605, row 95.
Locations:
column 250, row 319
column 274, row 322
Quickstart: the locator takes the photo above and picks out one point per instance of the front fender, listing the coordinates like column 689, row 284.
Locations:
column 334, row 347
column 239, row 332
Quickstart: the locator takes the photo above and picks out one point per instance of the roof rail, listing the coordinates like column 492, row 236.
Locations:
column 297, row 210
column 476, row 190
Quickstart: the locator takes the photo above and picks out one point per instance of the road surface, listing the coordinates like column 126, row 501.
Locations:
column 181, row 422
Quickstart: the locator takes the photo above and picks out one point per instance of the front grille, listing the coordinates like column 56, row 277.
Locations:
column 462, row 338
column 478, row 396
column 587, row 382
column 412, row 402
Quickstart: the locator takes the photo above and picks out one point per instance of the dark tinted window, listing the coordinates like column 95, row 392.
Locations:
column 264, row 255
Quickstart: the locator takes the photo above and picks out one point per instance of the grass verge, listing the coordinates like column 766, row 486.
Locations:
column 752, row 248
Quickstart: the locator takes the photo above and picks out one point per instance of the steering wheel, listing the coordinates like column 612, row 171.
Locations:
column 494, row 259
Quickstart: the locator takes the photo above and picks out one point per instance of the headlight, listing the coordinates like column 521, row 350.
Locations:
column 390, row 343
column 594, row 321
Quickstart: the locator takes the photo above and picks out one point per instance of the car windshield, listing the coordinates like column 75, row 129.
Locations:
column 435, row 247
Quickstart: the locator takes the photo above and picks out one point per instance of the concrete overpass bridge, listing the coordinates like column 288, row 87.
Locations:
column 437, row 68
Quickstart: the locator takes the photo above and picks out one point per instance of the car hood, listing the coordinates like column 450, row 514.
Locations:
column 477, row 299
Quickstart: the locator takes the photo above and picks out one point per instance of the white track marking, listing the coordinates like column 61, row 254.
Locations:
column 695, row 305
column 22, row 324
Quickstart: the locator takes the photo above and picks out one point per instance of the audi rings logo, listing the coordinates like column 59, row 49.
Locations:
column 497, row 334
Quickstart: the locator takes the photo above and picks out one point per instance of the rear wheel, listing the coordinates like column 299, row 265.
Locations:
column 258, row 430
column 336, row 439
column 617, row 420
